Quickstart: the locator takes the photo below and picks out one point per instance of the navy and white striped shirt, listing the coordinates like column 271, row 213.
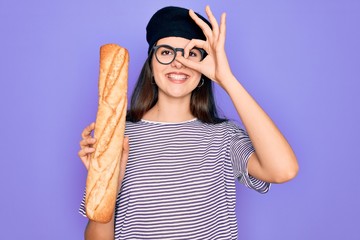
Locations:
column 179, row 181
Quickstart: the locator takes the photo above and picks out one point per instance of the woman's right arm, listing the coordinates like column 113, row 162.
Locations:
column 95, row 230
column 99, row 231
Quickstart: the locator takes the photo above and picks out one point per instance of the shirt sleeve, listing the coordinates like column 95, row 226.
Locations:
column 82, row 209
column 241, row 149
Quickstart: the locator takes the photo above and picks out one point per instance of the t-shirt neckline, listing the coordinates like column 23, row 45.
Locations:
column 168, row 123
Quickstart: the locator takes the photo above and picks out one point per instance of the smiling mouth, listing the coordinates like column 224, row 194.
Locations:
column 177, row 77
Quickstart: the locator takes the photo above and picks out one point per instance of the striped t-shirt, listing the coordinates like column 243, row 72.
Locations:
column 179, row 181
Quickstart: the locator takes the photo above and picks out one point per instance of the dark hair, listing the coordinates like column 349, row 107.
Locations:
column 145, row 96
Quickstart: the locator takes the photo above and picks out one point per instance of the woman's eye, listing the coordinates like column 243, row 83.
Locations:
column 166, row 52
column 193, row 53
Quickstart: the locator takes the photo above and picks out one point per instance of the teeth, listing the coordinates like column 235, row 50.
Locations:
column 177, row 77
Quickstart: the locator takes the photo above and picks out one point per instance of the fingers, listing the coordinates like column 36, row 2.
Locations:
column 204, row 27
column 85, row 151
column 87, row 142
column 194, row 43
column 86, row 145
column 222, row 29
column 83, row 154
column 188, row 63
column 87, row 131
column 209, row 33
column 212, row 19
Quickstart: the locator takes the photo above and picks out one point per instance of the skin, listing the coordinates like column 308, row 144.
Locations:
column 273, row 160
column 175, row 83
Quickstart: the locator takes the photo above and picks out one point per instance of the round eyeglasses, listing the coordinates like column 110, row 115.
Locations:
column 166, row 54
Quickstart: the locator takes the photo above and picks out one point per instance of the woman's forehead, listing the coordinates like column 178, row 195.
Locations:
column 173, row 41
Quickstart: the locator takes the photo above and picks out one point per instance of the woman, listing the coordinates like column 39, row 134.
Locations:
column 183, row 158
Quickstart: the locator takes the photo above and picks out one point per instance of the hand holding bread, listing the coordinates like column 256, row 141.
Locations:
column 86, row 145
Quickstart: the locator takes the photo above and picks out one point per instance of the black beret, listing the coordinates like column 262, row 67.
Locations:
column 173, row 22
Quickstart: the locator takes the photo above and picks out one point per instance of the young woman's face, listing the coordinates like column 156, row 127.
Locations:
column 174, row 79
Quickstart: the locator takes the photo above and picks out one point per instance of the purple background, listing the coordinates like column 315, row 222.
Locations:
column 299, row 59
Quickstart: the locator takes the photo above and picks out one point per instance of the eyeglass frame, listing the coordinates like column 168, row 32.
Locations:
column 182, row 50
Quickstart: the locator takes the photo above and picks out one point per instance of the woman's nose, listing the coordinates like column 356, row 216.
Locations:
column 176, row 63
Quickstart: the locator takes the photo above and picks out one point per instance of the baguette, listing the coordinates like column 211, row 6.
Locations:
column 102, row 181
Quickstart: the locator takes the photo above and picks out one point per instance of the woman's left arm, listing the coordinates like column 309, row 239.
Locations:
column 273, row 161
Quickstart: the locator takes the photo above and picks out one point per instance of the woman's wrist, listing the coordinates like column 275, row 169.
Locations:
column 229, row 83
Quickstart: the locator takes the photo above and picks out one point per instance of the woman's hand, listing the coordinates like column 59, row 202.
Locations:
column 215, row 65
column 274, row 160
column 86, row 145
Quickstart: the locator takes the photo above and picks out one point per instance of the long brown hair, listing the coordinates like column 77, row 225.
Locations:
column 145, row 96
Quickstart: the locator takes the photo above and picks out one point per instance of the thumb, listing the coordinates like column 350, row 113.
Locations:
column 188, row 63
column 126, row 145
column 124, row 157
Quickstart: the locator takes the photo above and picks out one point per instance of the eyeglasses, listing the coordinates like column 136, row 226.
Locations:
column 166, row 54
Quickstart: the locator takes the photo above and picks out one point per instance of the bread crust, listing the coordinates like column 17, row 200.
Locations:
column 103, row 174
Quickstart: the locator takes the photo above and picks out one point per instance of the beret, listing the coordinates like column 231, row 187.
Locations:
column 173, row 22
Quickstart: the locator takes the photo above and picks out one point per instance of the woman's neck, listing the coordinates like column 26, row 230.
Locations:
column 170, row 110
